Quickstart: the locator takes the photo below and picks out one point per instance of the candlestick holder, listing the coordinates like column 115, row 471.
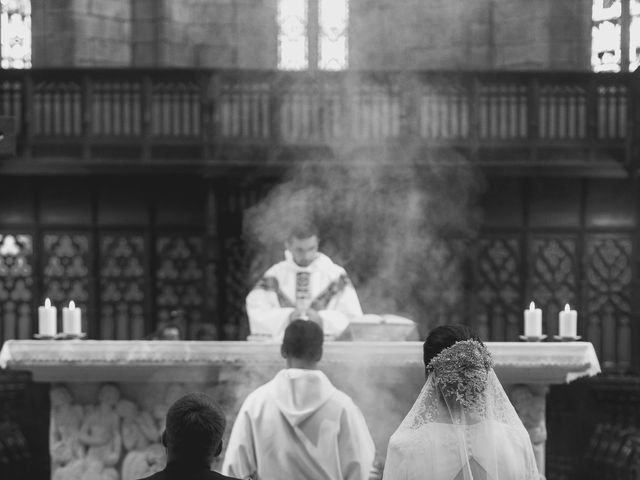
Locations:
column 530, row 338
column 71, row 336
column 60, row 336
column 559, row 338
column 42, row 336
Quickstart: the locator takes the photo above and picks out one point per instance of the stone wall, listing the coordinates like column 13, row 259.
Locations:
column 435, row 34
column 218, row 33
column 81, row 33
column 144, row 34
column 384, row 34
column 552, row 34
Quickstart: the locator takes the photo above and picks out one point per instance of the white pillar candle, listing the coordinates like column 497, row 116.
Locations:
column 47, row 319
column 533, row 321
column 71, row 319
column 568, row 322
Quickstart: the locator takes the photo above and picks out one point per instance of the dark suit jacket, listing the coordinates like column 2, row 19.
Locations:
column 182, row 471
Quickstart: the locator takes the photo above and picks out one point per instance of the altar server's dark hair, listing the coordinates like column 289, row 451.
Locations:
column 194, row 429
column 303, row 339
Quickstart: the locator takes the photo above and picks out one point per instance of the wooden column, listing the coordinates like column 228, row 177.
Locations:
column 625, row 22
column 313, row 33
column 211, row 253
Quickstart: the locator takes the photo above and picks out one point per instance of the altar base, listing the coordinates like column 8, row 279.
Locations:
column 143, row 378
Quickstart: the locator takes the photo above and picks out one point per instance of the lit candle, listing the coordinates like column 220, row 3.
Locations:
column 47, row 319
column 533, row 321
column 72, row 319
column 568, row 322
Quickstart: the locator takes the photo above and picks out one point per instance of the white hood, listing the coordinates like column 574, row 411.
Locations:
column 300, row 392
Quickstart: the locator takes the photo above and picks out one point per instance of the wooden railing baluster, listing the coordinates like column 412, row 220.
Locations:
column 533, row 117
column 27, row 115
column 275, row 104
column 95, row 110
column 474, row 117
column 146, row 111
column 87, row 115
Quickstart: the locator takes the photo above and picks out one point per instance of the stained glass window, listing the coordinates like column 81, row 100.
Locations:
column 292, row 35
column 605, row 46
column 333, row 23
column 634, row 35
column 300, row 19
column 16, row 285
column 634, row 43
column 15, row 33
column 606, row 10
column 611, row 21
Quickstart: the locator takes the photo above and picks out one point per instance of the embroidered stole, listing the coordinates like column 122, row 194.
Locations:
column 321, row 302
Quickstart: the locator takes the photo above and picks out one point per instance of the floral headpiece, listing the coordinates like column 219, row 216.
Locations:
column 460, row 371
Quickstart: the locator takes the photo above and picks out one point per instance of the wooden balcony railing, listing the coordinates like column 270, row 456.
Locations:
column 492, row 117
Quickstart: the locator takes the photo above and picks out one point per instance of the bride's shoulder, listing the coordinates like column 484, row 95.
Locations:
column 424, row 434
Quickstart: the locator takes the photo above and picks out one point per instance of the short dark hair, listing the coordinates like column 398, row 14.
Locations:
column 303, row 339
column 302, row 230
column 194, row 428
column 443, row 337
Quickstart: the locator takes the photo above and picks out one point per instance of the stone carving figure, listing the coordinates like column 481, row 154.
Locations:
column 64, row 429
column 156, row 458
column 73, row 470
column 530, row 403
column 100, row 433
column 138, row 431
column 173, row 392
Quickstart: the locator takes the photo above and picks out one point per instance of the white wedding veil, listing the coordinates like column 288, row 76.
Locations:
column 462, row 426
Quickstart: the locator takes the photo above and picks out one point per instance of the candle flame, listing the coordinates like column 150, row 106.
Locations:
column 532, row 306
column 72, row 305
column 47, row 302
column 566, row 308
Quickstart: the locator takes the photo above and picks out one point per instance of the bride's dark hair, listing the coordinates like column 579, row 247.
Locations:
column 443, row 337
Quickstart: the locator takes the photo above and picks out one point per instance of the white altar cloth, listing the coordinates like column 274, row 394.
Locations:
column 52, row 361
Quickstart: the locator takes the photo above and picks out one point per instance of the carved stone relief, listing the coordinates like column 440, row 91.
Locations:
column 110, row 438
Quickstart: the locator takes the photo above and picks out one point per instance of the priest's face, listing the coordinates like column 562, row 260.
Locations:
column 303, row 250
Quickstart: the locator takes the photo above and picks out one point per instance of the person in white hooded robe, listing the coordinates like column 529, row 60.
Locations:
column 305, row 285
column 299, row 425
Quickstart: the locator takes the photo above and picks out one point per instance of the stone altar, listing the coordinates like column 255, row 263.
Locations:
column 108, row 398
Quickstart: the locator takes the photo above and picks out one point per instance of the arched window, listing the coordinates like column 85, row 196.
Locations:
column 615, row 35
column 313, row 34
column 15, row 33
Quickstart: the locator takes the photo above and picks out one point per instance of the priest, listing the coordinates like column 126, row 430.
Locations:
column 306, row 285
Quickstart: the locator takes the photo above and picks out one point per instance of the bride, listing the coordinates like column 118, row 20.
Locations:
column 462, row 426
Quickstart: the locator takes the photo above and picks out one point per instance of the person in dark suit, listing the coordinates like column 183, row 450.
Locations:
column 192, row 437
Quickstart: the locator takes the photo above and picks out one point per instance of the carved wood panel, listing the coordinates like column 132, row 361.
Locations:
column 441, row 295
column 607, row 284
column 66, row 272
column 180, row 279
column 122, row 286
column 553, row 266
column 236, row 284
column 498, row 288
column 16, row 285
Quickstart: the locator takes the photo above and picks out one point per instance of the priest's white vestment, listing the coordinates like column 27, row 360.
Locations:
column 325, row 285
column 299, row 426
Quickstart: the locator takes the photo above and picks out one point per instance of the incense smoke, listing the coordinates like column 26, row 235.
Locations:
column 396, row 225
